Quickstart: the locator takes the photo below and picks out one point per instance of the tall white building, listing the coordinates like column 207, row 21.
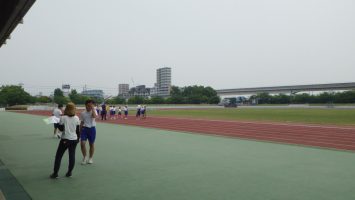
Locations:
column 163, row 81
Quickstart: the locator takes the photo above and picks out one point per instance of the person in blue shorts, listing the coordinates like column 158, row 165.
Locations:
column 138, row 114
column 119, row 112
column 111, row 112
column 125, row 110
column 88, row 131
column 143, row 112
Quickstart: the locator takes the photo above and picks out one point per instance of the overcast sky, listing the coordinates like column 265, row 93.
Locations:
column 218, row 43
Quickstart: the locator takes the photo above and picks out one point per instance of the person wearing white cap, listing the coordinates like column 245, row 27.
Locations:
column 138, row 114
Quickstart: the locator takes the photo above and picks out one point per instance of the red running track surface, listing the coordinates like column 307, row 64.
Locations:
column 333, row 137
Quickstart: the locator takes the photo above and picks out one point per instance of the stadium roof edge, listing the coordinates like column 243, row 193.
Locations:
column 11, row 14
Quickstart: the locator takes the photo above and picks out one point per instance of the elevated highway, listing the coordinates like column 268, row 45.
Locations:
column 287, row 89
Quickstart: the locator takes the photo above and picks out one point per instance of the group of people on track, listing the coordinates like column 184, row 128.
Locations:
column 141, row 112
column 119, row 112
column 103, row 110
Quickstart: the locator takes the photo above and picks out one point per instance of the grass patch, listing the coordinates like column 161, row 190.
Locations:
column 17, row 107
column 312, row 116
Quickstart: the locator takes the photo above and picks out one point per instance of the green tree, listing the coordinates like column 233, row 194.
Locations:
column 280, row 99
column 109, row 101
column 325, row 97
column 175, row 91
column 345, row 97
column 2, row 100
column 116, row 100
column 194, row 99
column 77, row 98
column 59, row 97
column 209, row 92
column 214, row 100
column 176, row 99
column 97, row 100
column 119, row 100
column 58, row 92
column 43, row 99
column 14, row 95
column 302, row 98
column 157, row 100
column 195, row 95
column 176, row 96
column 263, row 98
column 136, row 100
column 60, row 100
column 147, row 101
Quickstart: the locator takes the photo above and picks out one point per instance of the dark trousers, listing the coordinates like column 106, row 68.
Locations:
column 65, row 144
column 103, row 115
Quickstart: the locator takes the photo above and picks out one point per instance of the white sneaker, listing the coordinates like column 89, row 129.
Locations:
column 84, row 162
column 90, row 161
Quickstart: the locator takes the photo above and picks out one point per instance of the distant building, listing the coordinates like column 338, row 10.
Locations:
column 139, row 90
column 40, row 94
column 154, row 90
column 123, row 89
column 163, row 81
column 66, row 89
column 93, row 93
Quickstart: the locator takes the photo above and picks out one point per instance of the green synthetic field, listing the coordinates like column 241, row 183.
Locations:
column 138, row 163
column 317, row 116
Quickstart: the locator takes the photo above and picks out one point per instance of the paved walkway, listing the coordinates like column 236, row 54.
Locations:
column 9, row 186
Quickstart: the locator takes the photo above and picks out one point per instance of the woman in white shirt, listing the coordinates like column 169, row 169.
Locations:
column 69, row 123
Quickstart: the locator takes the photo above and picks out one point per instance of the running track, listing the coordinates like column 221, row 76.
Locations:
column 333, row 137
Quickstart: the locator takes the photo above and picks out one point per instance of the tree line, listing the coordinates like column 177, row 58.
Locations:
column 15, row 95
column 305, row 98
column 184, row 95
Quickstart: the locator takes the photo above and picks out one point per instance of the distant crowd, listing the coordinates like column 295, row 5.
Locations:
column 105, row 110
